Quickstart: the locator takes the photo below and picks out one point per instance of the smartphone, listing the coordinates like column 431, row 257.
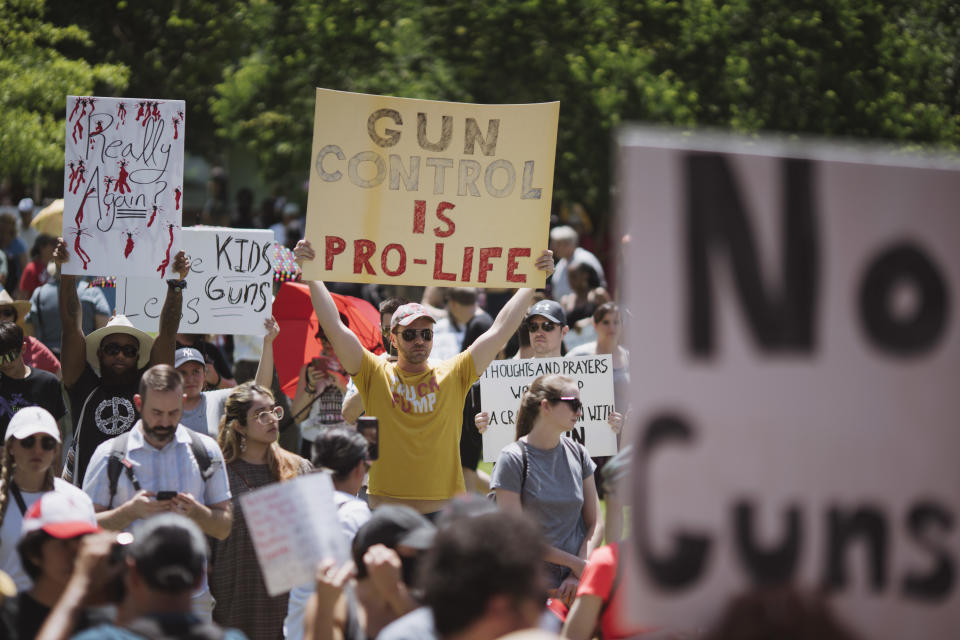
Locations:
column 166, row 495
column 369, row 428
column 320, row 364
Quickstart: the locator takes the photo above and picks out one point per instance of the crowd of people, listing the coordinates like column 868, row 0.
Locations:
column 120, row 513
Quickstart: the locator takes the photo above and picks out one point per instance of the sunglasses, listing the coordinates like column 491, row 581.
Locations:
column 113, row 349
column 574, row 403
column 46, row 443
column 411, row 334
column 268, row 415
column 10, row 356
column 547, row 326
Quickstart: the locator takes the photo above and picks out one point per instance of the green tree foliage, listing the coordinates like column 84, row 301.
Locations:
column 35, row 79
column 848, row 68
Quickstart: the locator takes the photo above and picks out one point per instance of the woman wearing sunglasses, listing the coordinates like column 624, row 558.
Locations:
column 32, row 446
column 248, row 438
column 551, row 479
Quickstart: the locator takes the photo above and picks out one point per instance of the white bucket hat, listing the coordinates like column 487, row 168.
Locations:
column 118, row 324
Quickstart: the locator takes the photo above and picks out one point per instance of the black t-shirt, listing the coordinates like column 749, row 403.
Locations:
column 107, row 411
column 39, row 388
column 21, row 618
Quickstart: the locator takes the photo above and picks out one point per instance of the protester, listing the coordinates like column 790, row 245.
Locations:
column 27, row 234
column 217, row 374
column 44, row 313
column 248, row 438
column 318, row 400
column 53, row 528
column 165, row 564
column 581, row 302
column 386, row 553
column 418, row 405
column 171, row 468
column 35, row 273
column 30, row 455
column 483, row 577
column 564, row 242
column 608, row 323
column 458, row 324
column 35, row 354
column 344, row 454
column 13, row 247
column 22, row 386
column 601, row 605
column 102, row 371
column 550, row 478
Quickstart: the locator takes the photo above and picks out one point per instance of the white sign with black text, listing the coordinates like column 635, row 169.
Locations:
column 795, row 403
column 504, row 381
column 229, row 287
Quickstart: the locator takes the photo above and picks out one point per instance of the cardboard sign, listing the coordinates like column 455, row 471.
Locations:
column 417, row 192
column 229, row 287
column 504, row 381
column 293, row 526
column 122, row 186
column 796, row 352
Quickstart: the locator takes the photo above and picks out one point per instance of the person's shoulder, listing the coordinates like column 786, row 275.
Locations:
column 513, row 451
column 185, row 434
column 218, row 395
column 416, row 625
column 108, row 631
column 586, row 349
column 62, row 486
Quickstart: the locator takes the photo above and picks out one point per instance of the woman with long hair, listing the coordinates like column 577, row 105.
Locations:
column 248, row 437
column 550, row 477
column 608, row 323
column 28, row 471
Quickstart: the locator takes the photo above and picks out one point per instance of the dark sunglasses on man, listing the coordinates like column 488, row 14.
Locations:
column 128, row 350
column 410, row 335
column 546, row 325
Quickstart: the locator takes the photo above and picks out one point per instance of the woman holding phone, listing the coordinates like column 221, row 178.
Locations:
column 550, row 477
column 318, row 401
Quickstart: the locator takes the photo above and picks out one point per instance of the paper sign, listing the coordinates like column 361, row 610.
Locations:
column 122, row 186
column 795, row 403
column 229, row 287
column 417, row 192
column 293, row 526
column 504, row 381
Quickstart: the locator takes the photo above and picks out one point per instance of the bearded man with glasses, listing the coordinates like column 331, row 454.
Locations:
column 102, row 371
column 419, row 404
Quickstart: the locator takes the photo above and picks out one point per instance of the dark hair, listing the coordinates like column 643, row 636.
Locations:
column 476, row 559
column 543, row 388
column 391, row 304
column 161, row 377
column 593, row 279
column 11, row 337
column 462, row 295
column 42, row 240
column 340, row 450
column 30, row 547
column 607, row 307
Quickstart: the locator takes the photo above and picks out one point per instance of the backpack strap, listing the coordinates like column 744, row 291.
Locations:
column 201, row 454
column 523, row 476
column 73, row 465
column 116, row 463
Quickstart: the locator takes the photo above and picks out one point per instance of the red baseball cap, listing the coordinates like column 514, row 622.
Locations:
column 61, row 515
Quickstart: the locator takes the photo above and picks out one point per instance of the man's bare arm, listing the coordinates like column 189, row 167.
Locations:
column 165, row 343
column 73, row 346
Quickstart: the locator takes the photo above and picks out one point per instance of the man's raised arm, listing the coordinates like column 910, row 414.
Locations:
column 73, row 346
column 165, row 344
column 345, row 343
column 485, row 348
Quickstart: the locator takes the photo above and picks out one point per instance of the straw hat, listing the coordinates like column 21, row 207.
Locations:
column 118, row 324
column 22, row 307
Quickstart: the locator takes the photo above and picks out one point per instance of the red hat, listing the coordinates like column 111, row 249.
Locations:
column 61, row 515
column 407, row 313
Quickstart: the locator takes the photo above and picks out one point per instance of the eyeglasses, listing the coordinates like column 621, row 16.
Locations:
column 268, row 415
column 46, row 443
column 574, row 403
column 411, row 334
column 8, row 312
column 546, row 326
column 10, row 356
column 112, row 349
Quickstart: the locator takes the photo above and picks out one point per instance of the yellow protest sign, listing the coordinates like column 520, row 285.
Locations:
column 420, row 192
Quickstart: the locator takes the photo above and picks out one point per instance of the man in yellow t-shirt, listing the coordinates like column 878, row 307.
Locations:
column 419, row 405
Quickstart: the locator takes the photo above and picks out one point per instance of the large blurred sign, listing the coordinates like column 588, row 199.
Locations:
column 420, row 192
column 229, row 287
column 796, row 360
column 123, row 186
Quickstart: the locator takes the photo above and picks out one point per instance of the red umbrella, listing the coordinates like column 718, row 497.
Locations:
column 296, row 345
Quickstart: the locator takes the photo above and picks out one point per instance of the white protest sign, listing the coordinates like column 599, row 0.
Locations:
column 795, row 405
column 229, row 287
column 504, row 381
column 293, row 526
column 122, row 186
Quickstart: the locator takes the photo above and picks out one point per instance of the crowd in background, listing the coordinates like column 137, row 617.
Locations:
column 110, row 429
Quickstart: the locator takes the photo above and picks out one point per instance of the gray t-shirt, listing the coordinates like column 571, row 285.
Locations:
column 552, row 493
column 416, row 625
column 205, row 417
